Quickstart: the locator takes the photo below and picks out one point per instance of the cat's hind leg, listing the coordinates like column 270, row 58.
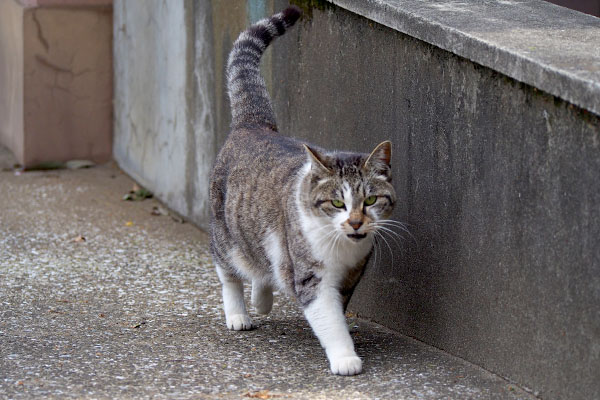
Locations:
column 262, row 296
column 236, row 316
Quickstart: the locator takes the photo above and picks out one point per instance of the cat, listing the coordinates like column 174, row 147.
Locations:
column 290, row 216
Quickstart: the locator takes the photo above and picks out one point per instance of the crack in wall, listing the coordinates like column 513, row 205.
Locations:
column 40, row 35
column 53, row 66
column 45, row 62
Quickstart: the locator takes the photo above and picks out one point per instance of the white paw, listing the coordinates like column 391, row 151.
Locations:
column 348, row 365
column 239, row 322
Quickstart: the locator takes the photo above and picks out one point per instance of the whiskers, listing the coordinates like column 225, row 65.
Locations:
column 331, row 243
column 384, row 232
column 390, row 224
column 328, row 237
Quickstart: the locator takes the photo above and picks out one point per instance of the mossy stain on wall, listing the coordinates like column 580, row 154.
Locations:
column 307, row 6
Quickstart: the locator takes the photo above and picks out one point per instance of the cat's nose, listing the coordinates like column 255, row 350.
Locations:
column 355, row 224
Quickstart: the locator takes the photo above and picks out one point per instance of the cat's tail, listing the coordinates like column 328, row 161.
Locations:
column 250, row 104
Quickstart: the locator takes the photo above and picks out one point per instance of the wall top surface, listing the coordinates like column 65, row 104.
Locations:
column 546, row 46
column 65, row 3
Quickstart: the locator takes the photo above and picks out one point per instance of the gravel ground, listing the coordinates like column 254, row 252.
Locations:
column 134, row 311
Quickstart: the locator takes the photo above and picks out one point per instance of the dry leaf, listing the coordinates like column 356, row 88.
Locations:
column 158, row 210
column 142, row 194
column 263, row 394
column 137, row 193
column 136, row 326
column 129, row 223
column 177, row 219
column 79, row 164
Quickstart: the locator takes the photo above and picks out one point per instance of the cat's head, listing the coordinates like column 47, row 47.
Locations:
column 350, row 192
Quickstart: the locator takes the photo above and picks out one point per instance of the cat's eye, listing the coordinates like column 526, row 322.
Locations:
column 369, row 201
column 337, row 203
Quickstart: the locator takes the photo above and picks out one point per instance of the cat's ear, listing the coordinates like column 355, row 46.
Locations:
column 382, row 155
column 317, row 159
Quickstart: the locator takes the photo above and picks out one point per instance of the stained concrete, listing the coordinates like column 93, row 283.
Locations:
column 8, row 161
column 498, row 182
column 164, row 118
column 134, row 311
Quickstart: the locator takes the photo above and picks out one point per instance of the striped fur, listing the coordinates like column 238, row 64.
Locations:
column 250, row 104
column 276, row 215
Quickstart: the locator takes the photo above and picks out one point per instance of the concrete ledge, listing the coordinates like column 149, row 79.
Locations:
column 543, row 45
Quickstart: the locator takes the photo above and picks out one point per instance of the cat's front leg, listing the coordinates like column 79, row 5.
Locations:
column 326, row 317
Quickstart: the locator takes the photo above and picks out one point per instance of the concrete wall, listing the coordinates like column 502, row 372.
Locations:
column 164, row 119
column 56, row 82
column 498, row 181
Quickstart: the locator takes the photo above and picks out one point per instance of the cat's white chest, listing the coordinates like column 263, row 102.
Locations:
column 334, row 250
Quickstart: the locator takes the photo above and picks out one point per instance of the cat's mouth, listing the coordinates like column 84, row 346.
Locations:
column 357, row 236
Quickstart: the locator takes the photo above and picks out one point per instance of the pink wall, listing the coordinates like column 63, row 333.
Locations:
column 56, row 90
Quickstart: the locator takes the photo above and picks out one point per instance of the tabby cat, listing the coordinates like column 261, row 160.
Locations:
column 290, row 216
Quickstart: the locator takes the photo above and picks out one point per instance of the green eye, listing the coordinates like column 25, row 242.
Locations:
column 337, row 203
column 369, row 201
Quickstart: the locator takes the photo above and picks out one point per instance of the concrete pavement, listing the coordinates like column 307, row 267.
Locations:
column 102, row 299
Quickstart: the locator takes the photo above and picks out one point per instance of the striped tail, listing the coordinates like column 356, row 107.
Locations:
column 250, row 104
